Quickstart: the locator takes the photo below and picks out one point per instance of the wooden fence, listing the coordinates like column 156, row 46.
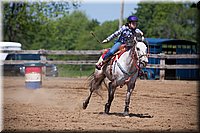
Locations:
column 162, row 66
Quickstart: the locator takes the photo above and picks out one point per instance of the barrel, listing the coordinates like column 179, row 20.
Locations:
column 33, row 75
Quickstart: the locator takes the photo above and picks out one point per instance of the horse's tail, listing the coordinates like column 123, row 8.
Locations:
column 95, row 83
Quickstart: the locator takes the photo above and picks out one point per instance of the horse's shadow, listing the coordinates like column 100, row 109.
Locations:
column 146, row 115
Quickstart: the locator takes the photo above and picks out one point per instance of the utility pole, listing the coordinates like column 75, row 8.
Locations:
column 121, row 13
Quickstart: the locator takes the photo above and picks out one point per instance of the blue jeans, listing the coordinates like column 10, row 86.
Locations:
column 112, row 50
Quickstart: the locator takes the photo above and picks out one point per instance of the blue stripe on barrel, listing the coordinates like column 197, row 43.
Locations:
column 33, row 75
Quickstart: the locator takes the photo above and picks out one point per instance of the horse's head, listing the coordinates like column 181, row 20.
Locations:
column 142, row 53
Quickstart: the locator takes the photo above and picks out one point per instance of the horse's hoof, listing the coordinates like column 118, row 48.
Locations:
column 106, row 113
column 84, row 105
column 126, row 114
column 107, row 109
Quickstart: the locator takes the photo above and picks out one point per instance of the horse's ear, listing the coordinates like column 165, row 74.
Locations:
column 138, row 37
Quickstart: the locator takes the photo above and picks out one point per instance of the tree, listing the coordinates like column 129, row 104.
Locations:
column 106, row 29
column 86, row 41
column 168, row 20
column 22, row 21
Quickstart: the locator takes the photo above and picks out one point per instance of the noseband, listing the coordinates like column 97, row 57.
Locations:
column 136, row 57
column 146, row 55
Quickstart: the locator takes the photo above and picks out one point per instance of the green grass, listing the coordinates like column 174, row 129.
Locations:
column 75, row 70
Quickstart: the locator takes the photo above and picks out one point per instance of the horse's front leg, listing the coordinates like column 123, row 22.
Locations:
column 130, row 88
column 111, row 91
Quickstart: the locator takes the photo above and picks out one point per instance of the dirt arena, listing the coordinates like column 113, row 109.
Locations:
column 57, row 106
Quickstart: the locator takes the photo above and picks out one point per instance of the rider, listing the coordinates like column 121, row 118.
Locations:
column 125, row 33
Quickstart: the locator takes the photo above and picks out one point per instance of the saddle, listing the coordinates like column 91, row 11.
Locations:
column 116, row 56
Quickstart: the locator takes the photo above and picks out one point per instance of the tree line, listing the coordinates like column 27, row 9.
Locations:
column 51, row 25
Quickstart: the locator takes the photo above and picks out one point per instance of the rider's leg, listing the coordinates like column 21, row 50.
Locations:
column 110, row 53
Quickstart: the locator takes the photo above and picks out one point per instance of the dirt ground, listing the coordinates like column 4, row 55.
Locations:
column 57, row 106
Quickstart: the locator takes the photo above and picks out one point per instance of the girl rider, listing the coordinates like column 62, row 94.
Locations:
column 126, row 32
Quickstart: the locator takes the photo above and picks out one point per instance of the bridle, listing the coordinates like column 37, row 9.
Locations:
column 142, row 55
column 134, row 57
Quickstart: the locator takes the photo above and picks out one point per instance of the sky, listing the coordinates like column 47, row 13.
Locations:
column 106, row 11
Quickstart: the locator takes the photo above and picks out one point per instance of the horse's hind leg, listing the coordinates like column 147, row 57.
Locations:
column 95, row 83
column 85, row 103
column 111, row 91
column 130, row 89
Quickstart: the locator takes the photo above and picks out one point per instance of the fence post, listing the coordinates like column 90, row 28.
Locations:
column 44, row 60
column 81, row 69
column 162, row 69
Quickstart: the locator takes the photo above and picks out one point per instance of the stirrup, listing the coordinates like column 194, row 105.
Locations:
column 98, row 66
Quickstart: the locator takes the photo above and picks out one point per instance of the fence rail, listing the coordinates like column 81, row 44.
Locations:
column 97, row 52
column 57, row 52
column 70, row 62
column 162, row 66
column 92, row 62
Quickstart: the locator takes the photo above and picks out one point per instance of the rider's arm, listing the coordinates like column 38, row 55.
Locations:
column 116, row 33
column 141, row 34
column 139, row 31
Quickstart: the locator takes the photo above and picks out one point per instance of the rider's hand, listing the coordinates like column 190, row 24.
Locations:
column 105, row 41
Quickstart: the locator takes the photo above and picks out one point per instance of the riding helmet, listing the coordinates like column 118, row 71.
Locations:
column 132, row 18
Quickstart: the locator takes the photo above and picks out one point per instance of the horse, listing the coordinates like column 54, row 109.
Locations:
column 122, row 71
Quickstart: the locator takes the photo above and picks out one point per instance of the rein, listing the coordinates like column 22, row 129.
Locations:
column 124, row 71
column 130, row 74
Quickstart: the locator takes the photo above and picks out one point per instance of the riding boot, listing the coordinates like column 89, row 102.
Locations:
column 106, row 58
column 98, row 66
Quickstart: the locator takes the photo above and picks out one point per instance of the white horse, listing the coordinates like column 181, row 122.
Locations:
column 123, row 71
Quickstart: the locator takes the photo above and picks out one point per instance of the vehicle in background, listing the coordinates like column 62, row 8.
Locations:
column 19, row 69
column 8, row 46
